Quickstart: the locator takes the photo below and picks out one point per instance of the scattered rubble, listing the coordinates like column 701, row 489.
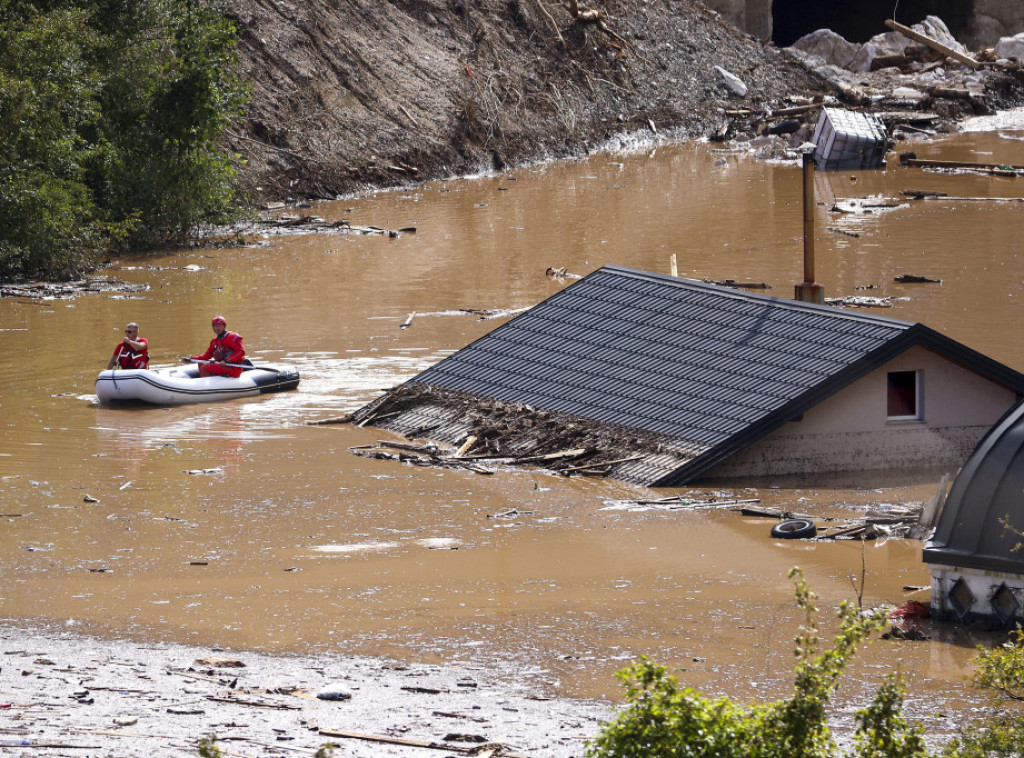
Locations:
column 69, row 290
column 86, row 696
column 287, row 223
column 918, row 81
column 882, row 522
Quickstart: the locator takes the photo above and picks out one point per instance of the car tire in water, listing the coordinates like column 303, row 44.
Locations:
column 795, row 529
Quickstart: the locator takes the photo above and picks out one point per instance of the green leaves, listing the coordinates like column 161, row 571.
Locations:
column 663, row 720
column 112, row 114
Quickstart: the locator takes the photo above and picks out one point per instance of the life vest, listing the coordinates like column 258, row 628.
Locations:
column 128, row 357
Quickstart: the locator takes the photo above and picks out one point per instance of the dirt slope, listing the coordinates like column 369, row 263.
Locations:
column 356, row 93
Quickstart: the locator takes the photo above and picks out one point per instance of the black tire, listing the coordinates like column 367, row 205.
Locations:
column 795, row 529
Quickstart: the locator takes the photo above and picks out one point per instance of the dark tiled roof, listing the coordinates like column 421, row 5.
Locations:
column 988, row 487
column 710, row 367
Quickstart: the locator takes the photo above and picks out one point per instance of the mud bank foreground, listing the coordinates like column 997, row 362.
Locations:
column 67, row 695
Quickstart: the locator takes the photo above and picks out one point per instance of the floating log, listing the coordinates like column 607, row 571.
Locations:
column 776, row 513
column 924, row 163
column 915, row 279
column 953, row 199
column 345, row 419
column 742, row 285
column 922, row 194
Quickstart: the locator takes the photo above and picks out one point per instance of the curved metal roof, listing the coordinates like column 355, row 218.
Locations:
column 989, row 488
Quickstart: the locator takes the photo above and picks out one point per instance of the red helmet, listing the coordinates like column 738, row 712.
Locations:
column 218, row 320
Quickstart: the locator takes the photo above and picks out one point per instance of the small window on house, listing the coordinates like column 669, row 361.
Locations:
column 904, row 400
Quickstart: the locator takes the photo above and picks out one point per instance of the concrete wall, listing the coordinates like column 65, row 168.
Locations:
column 994, row 19
column 850, row 431
column 983, row 586
column 990, row 20
column 753, row 16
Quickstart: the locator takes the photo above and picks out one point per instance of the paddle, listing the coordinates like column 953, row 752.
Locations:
column 243, row 366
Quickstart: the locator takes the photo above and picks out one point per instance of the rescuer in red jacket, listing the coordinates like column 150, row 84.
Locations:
column 132, row 351
column 224, row 349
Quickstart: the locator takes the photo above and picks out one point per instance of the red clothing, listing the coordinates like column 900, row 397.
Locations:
column 128, row 357
column 227, row 347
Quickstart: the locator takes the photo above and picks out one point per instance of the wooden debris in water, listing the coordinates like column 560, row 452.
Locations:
column 915, row 279
column 344, row 419
column 343, row 226
column 1000, row 169
column 560, row 273
column 739, row 285
column 861, row 301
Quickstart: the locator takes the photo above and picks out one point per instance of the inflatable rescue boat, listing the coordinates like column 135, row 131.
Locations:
column 180, row 385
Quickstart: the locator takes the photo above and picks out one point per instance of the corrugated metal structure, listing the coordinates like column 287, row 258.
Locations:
column 848, row 140
column 976, row 567
column 710, row 369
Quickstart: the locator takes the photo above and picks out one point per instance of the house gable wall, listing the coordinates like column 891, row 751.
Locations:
column 850, row 430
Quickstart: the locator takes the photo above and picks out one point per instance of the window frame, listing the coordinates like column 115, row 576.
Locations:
column 918, row 414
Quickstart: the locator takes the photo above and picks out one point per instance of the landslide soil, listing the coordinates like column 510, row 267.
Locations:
column 364, row 93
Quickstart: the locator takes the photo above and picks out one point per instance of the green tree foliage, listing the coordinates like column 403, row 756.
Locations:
column 1000, row 671
column 112, row 114
column 661, row 719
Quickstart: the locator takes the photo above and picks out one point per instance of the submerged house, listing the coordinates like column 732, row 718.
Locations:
column 702, row 381
column 975, row 565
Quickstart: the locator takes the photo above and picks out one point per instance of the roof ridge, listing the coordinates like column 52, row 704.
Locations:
column 724, row 291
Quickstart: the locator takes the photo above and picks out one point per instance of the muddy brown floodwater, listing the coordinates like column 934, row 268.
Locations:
column 290, row 543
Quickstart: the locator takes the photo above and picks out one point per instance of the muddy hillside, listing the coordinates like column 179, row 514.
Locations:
column 355, row 93
column 359, row 93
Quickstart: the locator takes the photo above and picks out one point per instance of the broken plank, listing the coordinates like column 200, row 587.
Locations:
column 465, row 750
column 560, row 455
column 921, row 194
column 979, row 199
column 410, row 446
column 602, row 463
column 470, row 441
column 345, row 419
column 254, row 703
column 929, row 163
column 934, row 44
column 776, row 513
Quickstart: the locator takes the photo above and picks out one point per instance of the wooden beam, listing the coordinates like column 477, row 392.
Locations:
column 924, row 39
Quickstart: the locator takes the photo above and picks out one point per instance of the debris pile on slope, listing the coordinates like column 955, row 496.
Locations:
column 460, row 87
column 916, row 88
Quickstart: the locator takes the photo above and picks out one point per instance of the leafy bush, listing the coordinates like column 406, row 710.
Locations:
column 663, row 720
column 111, row 119
column 1000, row 671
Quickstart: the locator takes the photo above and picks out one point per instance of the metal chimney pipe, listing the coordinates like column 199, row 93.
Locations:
column 809, row 291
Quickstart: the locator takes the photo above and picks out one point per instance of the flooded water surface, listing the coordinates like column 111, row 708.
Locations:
column 238, row 524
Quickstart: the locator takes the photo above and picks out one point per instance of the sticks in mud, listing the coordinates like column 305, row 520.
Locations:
column 466, row 750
